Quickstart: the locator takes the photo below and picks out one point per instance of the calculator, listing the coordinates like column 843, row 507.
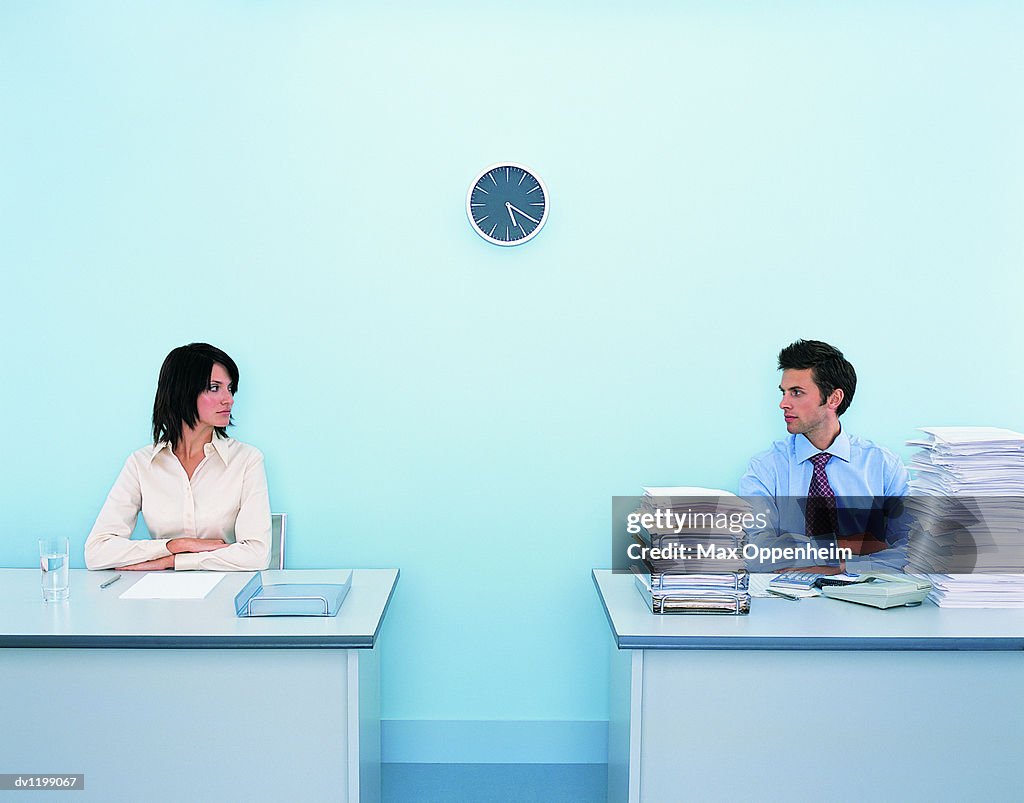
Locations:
column 808, row 580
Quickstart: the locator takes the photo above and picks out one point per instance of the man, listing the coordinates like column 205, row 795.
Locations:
column 821, row 485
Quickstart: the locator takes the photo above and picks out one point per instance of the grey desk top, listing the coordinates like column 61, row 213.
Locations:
column 811, row 624
column 98, row 618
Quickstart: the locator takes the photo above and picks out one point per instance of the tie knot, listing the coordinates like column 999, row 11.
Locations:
column 821, row 459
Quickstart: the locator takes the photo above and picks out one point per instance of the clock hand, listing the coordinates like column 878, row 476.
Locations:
column 520, row 211
column 509, row 207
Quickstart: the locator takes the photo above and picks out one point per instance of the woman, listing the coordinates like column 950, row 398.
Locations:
column 202, row 494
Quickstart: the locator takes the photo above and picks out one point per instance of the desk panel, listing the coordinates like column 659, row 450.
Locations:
column 182, row 700
column 722, row 707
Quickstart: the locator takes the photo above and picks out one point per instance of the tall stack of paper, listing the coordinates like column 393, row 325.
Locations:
column 966, row 506
column 977, row 590
column 692, row 541
column 968, row 460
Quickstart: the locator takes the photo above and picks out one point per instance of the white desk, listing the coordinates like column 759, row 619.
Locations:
column 908, row 704
column 182, row 700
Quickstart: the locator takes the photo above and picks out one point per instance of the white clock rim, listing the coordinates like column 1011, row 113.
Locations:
column 543, row 218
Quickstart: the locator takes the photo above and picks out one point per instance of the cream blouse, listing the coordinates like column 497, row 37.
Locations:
column 226, row 498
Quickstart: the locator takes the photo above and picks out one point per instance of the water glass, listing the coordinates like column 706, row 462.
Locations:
column 53, row 561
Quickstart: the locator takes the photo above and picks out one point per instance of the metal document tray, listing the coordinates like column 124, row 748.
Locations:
column 291, row 599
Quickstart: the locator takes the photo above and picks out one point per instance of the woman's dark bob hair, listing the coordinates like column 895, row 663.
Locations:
column 183, row 376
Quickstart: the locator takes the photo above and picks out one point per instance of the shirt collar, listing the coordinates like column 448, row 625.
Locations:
column 805, row 449
column 221, row 443
column 157, row 448
column 218, row 445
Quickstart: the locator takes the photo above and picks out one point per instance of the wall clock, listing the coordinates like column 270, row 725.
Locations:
column 507, row 204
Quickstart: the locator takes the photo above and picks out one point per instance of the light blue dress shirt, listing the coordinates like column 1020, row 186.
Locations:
column 863, row 476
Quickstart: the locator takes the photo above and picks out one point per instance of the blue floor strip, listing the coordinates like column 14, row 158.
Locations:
column 494, row 783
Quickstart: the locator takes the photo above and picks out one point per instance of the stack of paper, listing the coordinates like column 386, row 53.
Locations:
column 698, row 530
column 977, row 590
column 966, row 505
column 968, row 460
column 692, row 540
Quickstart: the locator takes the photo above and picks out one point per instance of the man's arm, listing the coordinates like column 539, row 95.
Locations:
column 889, row 555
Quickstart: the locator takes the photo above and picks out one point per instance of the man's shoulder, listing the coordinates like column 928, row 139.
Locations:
column 768, row 470
column 782, row 449
column 866, row 447
column 882, row 464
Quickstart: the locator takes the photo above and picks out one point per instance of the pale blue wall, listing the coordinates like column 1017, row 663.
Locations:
column 287, row 180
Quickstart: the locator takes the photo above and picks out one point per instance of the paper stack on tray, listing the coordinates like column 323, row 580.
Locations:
column 691, row 550
column 731, row 596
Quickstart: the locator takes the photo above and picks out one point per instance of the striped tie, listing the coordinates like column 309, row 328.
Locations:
column 821, row 500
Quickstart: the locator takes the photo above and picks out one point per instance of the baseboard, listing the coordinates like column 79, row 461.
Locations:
column 410, row 741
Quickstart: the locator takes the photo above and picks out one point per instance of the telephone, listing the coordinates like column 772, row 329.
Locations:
column 881, row 590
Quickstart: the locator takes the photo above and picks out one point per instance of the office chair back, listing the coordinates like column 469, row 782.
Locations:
column 277, row 528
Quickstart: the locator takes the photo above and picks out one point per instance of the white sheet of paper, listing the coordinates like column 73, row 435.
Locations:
column 173, row 585
column 964, row 435
column 685, row 490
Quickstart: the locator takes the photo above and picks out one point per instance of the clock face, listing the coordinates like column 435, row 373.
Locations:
column 507, row 204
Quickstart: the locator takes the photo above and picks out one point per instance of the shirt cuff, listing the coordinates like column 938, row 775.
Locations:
column 187, row 561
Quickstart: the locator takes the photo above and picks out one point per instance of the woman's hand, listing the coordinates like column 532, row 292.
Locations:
column 166, row 562
column 176, row 545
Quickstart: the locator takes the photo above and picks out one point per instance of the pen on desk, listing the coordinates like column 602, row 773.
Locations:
column 111, row 581
column 783, row 594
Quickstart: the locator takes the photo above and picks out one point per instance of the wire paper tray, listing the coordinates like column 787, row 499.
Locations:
column 291, row 599
column 695, row 601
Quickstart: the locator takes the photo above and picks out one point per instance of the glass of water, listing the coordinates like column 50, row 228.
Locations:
column 53, row 561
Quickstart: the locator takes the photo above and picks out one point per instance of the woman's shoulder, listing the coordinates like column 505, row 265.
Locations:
column 231, row 449
column 228, row 448
column 146, row 453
